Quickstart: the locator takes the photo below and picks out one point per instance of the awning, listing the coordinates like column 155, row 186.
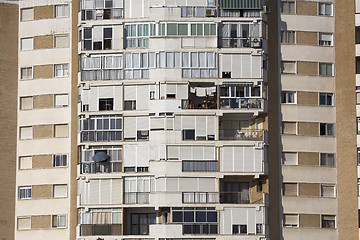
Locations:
column 240, row 4
column 239, row 84
column 100, row 157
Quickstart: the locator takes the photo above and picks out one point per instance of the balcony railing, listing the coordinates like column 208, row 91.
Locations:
column 136, row 197
column 185, row 104
column 200, row 228
column 100, row 229
column 101, row 136
column 200, row 197
column 241, row 103
column 199, row 166
column 100, row 167
column 234, row 197
column 252, row 135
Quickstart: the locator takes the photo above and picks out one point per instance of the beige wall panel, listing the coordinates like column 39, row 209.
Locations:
column 306, row 8
column 307, row 38
column 307, row 98
column 41, row 42
column 309, row 220
column 42, row 221
column 43, row 101
column 43, row 71
column 255, row 196
column 42, row 161
column 308, row 158
column 41, row 191
column 309, row 189
column 310, row 205
column 310, row 234
column 42, row 131
column 308, row 128
column 307, row 68
column 308, row 174
column 43, row 12
column 307, row 83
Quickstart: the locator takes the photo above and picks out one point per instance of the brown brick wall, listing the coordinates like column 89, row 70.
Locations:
column 43, row 12
column 43, row 101
column 255, row 196
column 307, row 68
column 306, row 8
column 309, row 220
column 41, row 222
column 42, row 131
column 42, row 161
column 308, row 128
column 8, row 115
column 307, row 98
column 309, row 189
column 41, row 42
column 41, row 191
column 307, row 38
column 309, row 158
column 43, row 71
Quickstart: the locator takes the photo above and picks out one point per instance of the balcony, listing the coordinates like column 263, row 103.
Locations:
column 101, row 136
column 97, row 14
column 100, row 167
column 239, row 135
column 241, row 103
column 201, row 96
column 200, row 228
column 100, row 229
column 200, row 197
column 234, row 198
column 199, row 166
column 136, row 197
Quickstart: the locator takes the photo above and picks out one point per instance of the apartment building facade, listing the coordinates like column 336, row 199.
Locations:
column 185, row 119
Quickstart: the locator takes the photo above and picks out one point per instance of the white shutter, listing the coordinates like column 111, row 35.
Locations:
column 170, row 88
column 27, row 43
column 198, row 153
column 25, row 162
column 226, row 160
column 172, row 152
column 207, row 185
column 106, row 92
column 188, row 184
column 201, row 126
column 97, row 34
column 142, row 97
column 185, row 153
column 116, row 191
column 94, row 100
column 118, row 98
column 60, row 191
column 117, row 3
column 142, row 156
column 94, row 192
column 188, row 122
column 259, row 160
column 61, row 100
column 157, row 123
column 177, row 123
column 62, row 41
column 249, row 155
column 246, row 65
column 238, row 158
column 105, row 191
column 169, row 123
column 26, row 133
column 142, row 123
column 129, row 156
column 27, row 14
column 256, row 67
column 129, row 127
column 162, row 91
column 129, row 92
column 211, row 125
column 171, row 184
column 225, row 63
column 182, row 91
column 209, row 153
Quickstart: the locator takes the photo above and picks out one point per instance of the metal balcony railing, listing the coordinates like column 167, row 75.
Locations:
column 136, row 197
column 100, row 229
column 199, row 166
column 100, row 167
column 248, row 135
column 200, row 197
column 234, row 197
column 241, row 103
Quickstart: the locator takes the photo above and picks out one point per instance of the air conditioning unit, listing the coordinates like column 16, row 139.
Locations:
column 256, row 43
column 210, row 13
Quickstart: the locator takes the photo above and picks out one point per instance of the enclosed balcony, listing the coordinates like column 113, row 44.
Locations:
column 201, row 96
column 100, row 229
column 100, row 222
column 101, row 160
column 101, row 128
column 240, row 35
column 101, row 9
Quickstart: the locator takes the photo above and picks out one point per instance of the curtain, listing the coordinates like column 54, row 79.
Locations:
column 101, row 217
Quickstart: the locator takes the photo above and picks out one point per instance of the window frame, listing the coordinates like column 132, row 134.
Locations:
column 62, row 158
column 285, row 36
column 21, row 12
column 64, row 69
column 320, row 13
column 327, row 159
column 326, row 95
column 26, row 68
column 21, row 103
column 328, row 185
column 323, row 42
column 326, row 74
column 327, row 126
column 284, row 189
column 323, row 223
column 27, row 192
column 23, row 217
column 26, row 127
column 287, row 94
column 291, row 225
column 67, row 10
column 58, row 217
column 288, row 72
column 59, row 185
column 288, row 7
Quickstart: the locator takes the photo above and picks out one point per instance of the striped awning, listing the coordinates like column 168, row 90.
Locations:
column 240, row 4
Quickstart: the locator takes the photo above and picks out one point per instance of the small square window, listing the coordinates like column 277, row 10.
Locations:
column 288, row 97
column 27, row 14
column 60, row 191
column 23, row 223
column 328, row 190
column 288, row 37
column 61, row 70
column 60, row 160
column 288, row 67
column 289, row 128
column 130, row 105
column 106, row 104
column 328, row 221
column 188, row 134
column 326, row 99
column 327, row 159
column 61, row 41
column 24, row 192
column 61, row 131
column 61, row 100
column 61, row 11
column 325, row 39
column 25, row 162
column 26, row 44
column 326, row 69
column 58, row 221
column 26, row 73
column 290, row 189
column 291, row 220
column 326, row 9
column 26, row 103
column 289, row 158
column 26, row 133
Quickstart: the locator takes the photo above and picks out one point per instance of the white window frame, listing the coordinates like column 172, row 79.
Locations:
column 135, row 39
column 26, row 78
column 25, row 127
column 21, row 103
column 59, row 216
column 59, row 185
column 24, row 192
column 63, row 68
column 287, row 95
column 58, row 106
column 292, row 225
column 24, row 9
column 326, row 155
column 288, row 164
column 327, row 125
column 20, row 161
column 326, row 42
column 62, row 158
column 322, row 9
column 328, row 185
column 23, row 217
column 285, row 71
column 65, row 8
column 21, row 44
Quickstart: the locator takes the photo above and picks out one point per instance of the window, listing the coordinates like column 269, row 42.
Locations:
column 327, row 129
column 289, row 128
column 61, row 131
column 325, row 39
column 137, row 189
column 288, row 67
column 142, row 135
column 101, row 128
column 288, row 37
column 328, row 190
column 188, row 134
column 326, row 99
column 137, row 65
column 101, row 68
column 140, row 223
column 199, row 11
column 325, row 69
column 101, row 9
column 358, row 125
column 357, row 96
column 26, row 73
column 199, row 166
column 106, row 104
column 326, row 9
column 289, row 158
column 27, row 14
column 61, row 100
column 26, row 103
column 239, row 229
column 24, row 192
column 288, row 97
column 288, row 7
column 327, row 159
column 25, row 162
column 23, row 223
column 291, row 220
column 61, row 11
column 26, row 133
column 61, row 70
column 58, row 221
column 60, row 160
column 136, row 35
column 130, row 105
column 328, row 221
column 198, row 65
column 97, row 38
column 26, row 44
column 290, row 189
column 60, row 191
column 61, row 41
